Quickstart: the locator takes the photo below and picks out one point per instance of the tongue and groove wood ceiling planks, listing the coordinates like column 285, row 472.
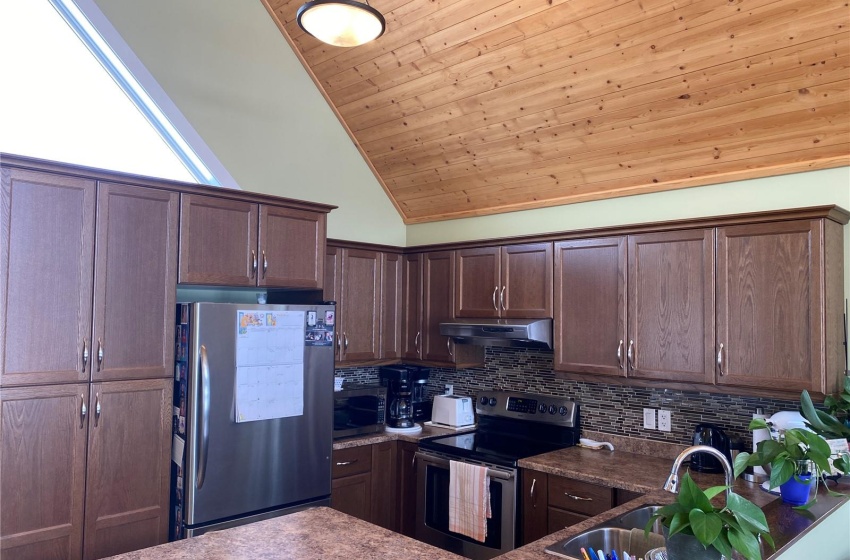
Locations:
column 475, row 107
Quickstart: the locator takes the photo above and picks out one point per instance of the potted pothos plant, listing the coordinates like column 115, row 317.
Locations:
column 696, row 530
column 832, row 423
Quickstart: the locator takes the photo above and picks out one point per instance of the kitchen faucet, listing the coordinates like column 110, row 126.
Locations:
column 672, row 483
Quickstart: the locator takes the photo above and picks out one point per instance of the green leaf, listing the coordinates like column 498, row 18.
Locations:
column 745, row 510
column 758, row 424
column 690, row 495
column 815, row 442
column 745, row 543
column 765, row 537
column 721, row 543
column 822, row 461
column 713, row 491
column 781, row 470
column 706, row 526
column 678, row 523
column 741, row 463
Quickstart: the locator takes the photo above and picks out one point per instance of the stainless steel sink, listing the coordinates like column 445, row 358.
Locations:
column 624, row 532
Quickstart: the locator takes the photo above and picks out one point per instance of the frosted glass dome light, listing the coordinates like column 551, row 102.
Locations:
column 342, row 23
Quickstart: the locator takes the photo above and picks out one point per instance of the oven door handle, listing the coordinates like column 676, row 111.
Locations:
column 437, row 461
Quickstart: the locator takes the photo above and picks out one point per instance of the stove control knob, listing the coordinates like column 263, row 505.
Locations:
column 553, row 409
column 562, row 411
column 542, row 408
column 493, row 401
column 484, row 400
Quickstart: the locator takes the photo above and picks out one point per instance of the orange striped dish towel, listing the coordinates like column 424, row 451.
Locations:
column 469, row 500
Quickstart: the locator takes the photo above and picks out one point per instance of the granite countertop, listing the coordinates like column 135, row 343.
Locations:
column 306, row 535
column 369, row 439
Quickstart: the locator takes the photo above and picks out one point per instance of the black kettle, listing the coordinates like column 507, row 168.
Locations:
column 713, row 436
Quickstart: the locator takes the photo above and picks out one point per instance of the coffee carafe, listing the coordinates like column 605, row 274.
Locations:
column 397, row 381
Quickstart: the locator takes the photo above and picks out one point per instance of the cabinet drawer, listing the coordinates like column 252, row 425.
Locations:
column 559, row 519
column 353, row 460
column 579, row 497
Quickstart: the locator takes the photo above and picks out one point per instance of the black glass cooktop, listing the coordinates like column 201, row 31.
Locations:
column 489, row 447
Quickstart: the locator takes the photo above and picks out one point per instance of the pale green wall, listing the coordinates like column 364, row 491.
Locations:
column 828, row 540
column 230, row 72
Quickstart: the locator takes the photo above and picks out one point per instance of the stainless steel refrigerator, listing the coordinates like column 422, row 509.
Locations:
column 253, row 413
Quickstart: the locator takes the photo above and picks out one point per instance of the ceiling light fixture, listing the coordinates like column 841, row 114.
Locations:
column 342, row 23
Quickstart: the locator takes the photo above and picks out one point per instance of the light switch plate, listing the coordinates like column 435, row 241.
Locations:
column 649, row 418
column 664, row 423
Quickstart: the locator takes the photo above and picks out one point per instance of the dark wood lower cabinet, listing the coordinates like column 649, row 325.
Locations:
column 384, row 496
column 533, row 504
column 406, row 493
column 353, row 495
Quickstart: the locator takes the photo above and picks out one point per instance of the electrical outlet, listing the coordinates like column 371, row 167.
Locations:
column 649, row 418
column 450, row 389
column 664, row 422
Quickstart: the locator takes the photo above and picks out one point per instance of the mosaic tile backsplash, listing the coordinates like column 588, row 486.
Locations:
column 608, row 408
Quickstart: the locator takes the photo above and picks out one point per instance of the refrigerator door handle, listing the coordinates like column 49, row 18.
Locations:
column 205, row 418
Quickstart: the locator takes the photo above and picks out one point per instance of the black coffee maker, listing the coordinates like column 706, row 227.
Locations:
column 713, row 436
column 407, row 402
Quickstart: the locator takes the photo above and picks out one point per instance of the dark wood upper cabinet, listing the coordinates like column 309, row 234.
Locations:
column 770, row 319
column 412, row 305
column 218, row 241
column 479, row 282
column 391, row 305
column 135, row 280
column 46, row 271
column 671, row 306
column 510, row 281
column 359, row 312
column 128, row 473
column 438, row 304
column 291, row 247
column 590, row 306
column 43, row 445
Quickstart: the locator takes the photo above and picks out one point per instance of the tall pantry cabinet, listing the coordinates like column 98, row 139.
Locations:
column 87, row 295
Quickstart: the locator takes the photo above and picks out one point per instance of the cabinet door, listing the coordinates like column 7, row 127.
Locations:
column 218, row 241
column 391, row 305
column 353, row 495
column 46, row 270
column 384, row 476
column 407, row 487
column 478, row 283
column 533, row 502
column 43, row 445
column 135, row 282
column 671, row 306
column 526, row 290
column 128, row 472
column 292, row 245
column 590, row 304
column 769, row 315
column 361, row 289
column 412, row 298
column 438, row 280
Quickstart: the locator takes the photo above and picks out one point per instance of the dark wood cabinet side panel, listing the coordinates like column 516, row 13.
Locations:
column 590, row 306
column 770, row 305
column 128, row 474
column 218, row 241
column 527, row 275
column 477, row 282
column 391, row 306
column 332, row 291
column 43, row 445
column 833, row 270
column 135, row 282
column 353, row 495
column 46, row 270
column 384, row 485
column 292, row 245
column 671, row 306
column 406, row 487
column 534, row 506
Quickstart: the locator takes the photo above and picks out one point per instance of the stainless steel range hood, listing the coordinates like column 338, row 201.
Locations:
column 523, row 333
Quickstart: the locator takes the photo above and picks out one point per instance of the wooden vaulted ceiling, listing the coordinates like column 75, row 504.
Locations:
column 474, row 107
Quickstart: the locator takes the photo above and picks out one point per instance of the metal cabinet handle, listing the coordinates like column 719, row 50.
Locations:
column 620, row 354
column 449, row 348
column 531, row 492
column 720, row 359
column 502, row 298
column 346, row 463
column 345, row 343
column 630, row 354
column 578, row 498
column 205, row 418
column 265, row 263
column 339, row 341
column 96, row 408
column 416, row 341
column 253, row 263
column 83, row 410
column 495, row 291
column 85, row 354
column 99, row 353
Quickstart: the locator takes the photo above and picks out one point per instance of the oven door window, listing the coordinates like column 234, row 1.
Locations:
column 437, row 507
